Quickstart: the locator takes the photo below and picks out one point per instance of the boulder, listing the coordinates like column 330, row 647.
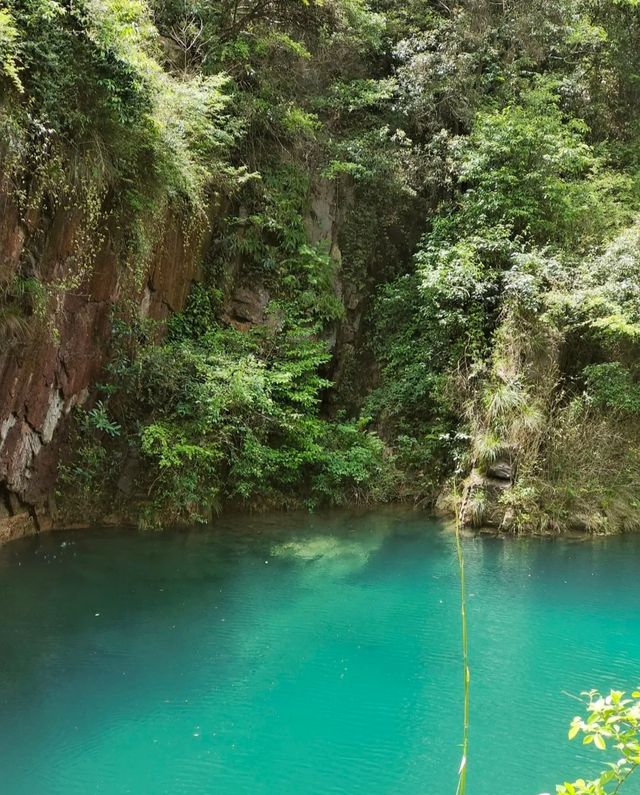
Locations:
column 248, row 305
column 501, row 470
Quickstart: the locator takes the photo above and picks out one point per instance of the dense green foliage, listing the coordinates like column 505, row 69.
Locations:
column 437, row 201
column 234, row 416
column 224, row 410
column 525, row 275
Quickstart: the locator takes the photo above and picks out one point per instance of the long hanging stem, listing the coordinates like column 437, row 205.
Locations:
column 462, row 772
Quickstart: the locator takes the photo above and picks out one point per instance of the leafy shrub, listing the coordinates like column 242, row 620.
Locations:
column 217, row 415
column 613, row 721
column 612, row 386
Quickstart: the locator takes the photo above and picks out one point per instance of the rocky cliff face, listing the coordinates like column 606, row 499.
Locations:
column 54, row 366
column 58, row 361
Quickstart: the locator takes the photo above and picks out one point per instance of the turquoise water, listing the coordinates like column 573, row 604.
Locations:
column 304, row 655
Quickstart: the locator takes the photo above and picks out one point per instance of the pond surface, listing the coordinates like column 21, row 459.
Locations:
column 304, row 655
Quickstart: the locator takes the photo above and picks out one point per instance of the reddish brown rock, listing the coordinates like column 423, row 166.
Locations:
column 55, row 368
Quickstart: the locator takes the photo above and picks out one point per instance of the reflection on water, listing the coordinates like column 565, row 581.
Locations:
column 304, row 655
column 333, row 555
